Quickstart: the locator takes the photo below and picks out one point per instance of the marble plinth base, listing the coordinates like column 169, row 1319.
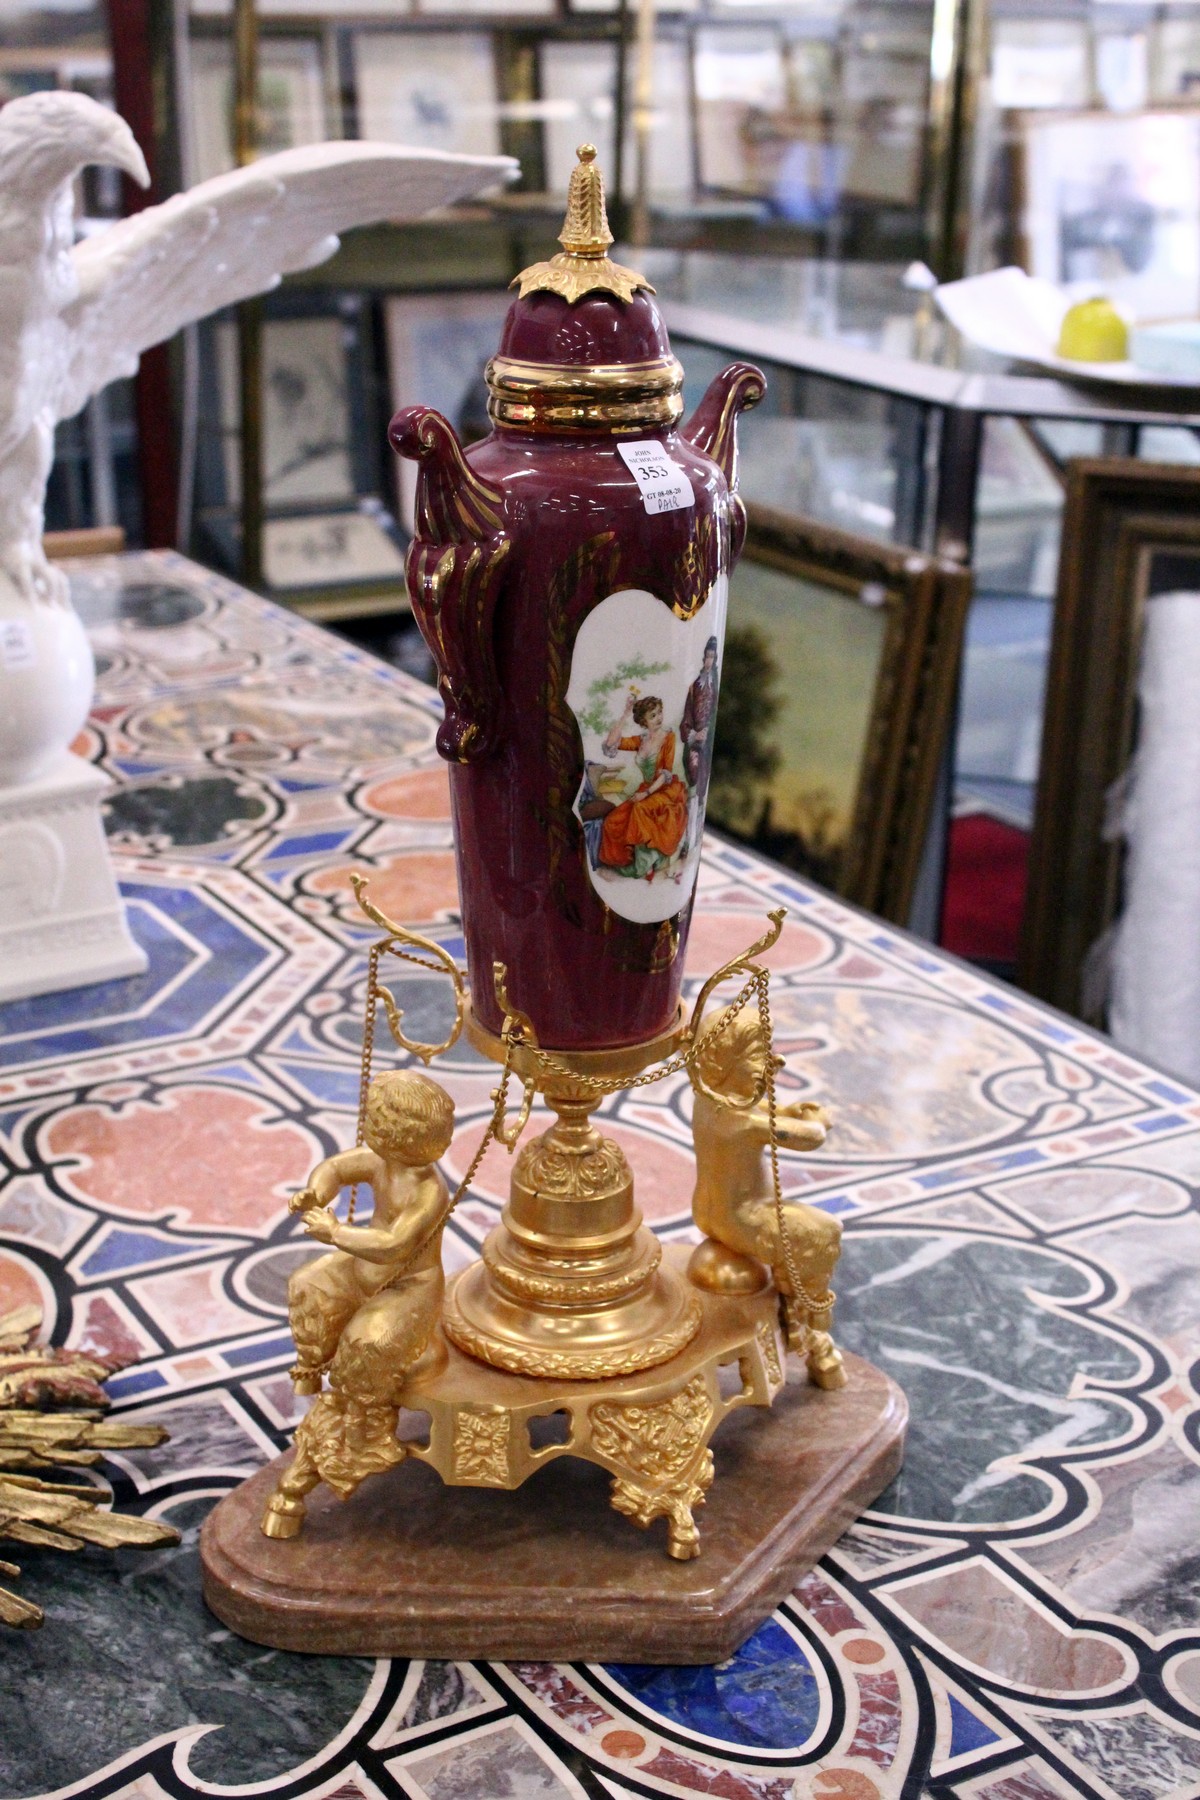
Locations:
column 408, row 1567
column 62, row 923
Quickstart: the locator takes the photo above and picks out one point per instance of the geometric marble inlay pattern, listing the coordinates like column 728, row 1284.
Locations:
column 1018, row 1618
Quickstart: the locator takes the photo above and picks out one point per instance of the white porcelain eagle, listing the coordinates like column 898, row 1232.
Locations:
column 73, row 316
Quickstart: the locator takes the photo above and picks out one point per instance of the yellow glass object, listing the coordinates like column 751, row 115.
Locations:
column 1094, row 331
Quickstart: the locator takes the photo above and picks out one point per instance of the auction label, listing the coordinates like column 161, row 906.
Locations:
column 17, row 650
column 665, row 487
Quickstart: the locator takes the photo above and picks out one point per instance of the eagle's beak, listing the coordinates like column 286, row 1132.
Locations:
column 115, row 145
column 46, row 138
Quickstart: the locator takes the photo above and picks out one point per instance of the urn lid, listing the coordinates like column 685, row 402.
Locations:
column 584, row 346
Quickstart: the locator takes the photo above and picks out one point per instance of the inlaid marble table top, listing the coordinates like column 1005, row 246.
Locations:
column 1019, row 1616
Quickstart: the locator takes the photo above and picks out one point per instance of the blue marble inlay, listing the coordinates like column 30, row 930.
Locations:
column 176, row 994
column 141, row 1381
column 244, row 1074
column 120, row 1248
column 260, row 1352
column 994, row 1165
column 310, row 845
column 795, row 895
column 1165, row 1122
column 1166, row 1091
column 331, row 1086
column 765, row 1697
column 937, row 1178
column 967, row 1733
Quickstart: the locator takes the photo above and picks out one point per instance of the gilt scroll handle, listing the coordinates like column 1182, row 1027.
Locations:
column 399, row 942
column 712, row 429
column 455, row 572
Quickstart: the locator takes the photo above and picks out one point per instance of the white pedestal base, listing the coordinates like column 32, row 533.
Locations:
column 62, row 923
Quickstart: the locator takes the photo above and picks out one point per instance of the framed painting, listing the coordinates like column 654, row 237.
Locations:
column 836, row 696
column 1131, row 543
column 1112, row 201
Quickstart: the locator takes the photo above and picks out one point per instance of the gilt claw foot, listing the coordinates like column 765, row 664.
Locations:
column 284, row 1517
column 825, row 1365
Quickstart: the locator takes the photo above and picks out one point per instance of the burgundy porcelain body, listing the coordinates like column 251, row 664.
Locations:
column 519, row 540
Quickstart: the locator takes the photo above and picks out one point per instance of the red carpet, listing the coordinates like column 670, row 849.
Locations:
column 986, row 871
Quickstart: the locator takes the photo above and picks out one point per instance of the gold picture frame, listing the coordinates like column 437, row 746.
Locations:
column 865, row 639
column 1120, row 514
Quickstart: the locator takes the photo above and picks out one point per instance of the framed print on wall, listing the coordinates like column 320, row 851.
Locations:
column 436, row 89
column 1113, row 202
column 307, row 428
column 1042, row 63
column 836, row 692
column 330, row 549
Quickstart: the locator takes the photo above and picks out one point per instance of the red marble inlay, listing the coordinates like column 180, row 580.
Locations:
column 18, row 1285
column 859, row 968
column 555, row 1689
column 205, row 1156
column 827, row 1607
column 417, row 794
column 410, row 889
column 717, row 937
column 103, row 1332
column 727, row 1783
column 877, row 1736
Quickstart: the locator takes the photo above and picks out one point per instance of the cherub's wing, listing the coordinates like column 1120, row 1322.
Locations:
column 142, row 279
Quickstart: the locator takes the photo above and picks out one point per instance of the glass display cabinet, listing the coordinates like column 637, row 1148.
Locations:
column 879, row 420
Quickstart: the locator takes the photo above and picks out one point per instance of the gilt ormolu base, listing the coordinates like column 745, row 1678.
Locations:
column 410, row 1567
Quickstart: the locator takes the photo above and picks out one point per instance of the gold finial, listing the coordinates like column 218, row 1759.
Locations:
column 585, row 229
column 581, row 267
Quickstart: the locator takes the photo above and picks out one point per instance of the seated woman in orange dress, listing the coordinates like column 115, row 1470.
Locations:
column 644, row 832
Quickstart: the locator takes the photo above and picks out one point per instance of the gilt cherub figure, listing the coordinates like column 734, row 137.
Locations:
column 365, row 1316
column 734, row 1201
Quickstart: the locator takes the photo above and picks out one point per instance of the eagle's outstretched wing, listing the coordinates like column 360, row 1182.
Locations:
column 234, row 236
